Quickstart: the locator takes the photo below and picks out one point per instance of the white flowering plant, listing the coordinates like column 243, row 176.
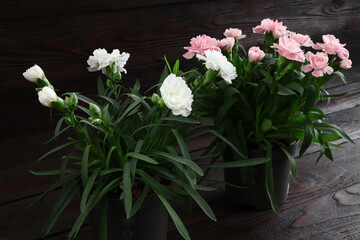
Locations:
column 267, row 97
column 123, row 145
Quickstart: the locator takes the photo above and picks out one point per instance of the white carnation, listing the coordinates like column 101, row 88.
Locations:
column 216, row 61
column 47, row 96
column 176, row 95
column 33, row 74
column 101, row 59
column 120, row 60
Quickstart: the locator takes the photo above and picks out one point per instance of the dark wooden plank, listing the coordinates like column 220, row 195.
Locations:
column 41, row 8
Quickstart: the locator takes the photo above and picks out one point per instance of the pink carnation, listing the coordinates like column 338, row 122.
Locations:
column 255, row 54
column 317, row 62
column 343, row 53
column 345, row 64
column 234, row 33
column 289, row 49
column 333, row 46
column 303, row 40
column 268, row 25
column 200, row 44
column 227, row 43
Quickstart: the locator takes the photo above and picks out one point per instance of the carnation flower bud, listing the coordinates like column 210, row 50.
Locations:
column 256, row 54
column 345, row 64
column 94, row 111
column 155, row 98
column 47, row 96
column 33, row 74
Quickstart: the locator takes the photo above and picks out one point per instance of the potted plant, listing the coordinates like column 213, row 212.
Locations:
column 125, row 154
column 264, row 101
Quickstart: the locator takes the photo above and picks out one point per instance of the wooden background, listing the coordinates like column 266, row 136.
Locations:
column 59, row 35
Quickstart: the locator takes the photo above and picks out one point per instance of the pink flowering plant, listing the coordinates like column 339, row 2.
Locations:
column 267, row 97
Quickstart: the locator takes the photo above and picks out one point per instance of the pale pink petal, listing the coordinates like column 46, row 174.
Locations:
column 306, row 68
column 317, row 73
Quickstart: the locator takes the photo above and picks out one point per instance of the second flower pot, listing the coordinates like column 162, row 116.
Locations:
column 253, row 192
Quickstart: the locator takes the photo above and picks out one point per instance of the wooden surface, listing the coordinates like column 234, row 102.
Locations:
column 60, row 35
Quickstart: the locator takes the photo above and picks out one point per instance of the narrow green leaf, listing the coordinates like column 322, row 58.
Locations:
column 57, row 149
column 103, row 219
column 227, row 142
column 108, row 157
column 342, row 76
column 100, row 87
column 176, row 67
column 88, row 188
column 269, row 179
column 59, row 207
column 311, row 99
column 175, row 217
column 292, row 162
column 295, row 86
column 127, row 189
column 84, row 165
column 140, row 200
column 198, row 199
column 266, row 125
column 141, row 157
column 286, row 92
column 112, row 170
column 182, row 160
column 238, row 163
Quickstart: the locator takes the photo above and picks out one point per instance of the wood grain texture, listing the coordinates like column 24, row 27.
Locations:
column 60, row 43
column 60, row 35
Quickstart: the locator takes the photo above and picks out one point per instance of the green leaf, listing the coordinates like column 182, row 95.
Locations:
column 175, row 217
column 88, row 188
column 198, row 199
column 141, row 157
column 103, row 219
column 185, row 152
column 59, row 207
column 342, row 76
column 112, row 170
column 134, row 105
column 311, row 99
column 182, row 160
column 108, row 157
column 127, row 189
column 100, row 87
column 140, row 200
column 286, row 92
column 292, row 162
column 179, row 119
column 266, row 125
column 51, row 172
column 84, row 165
column 266, row 74
column 295, row 86
column 329, row 127
column 307, row 137
column 176, row 67
column 269, row 182
column 57, row 149
column 238, row 163
column 227, row 142
column 167, row 64
column 95, row 197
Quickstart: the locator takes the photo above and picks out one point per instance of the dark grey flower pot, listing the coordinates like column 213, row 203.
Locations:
column 149, row 223
column 254, row 192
